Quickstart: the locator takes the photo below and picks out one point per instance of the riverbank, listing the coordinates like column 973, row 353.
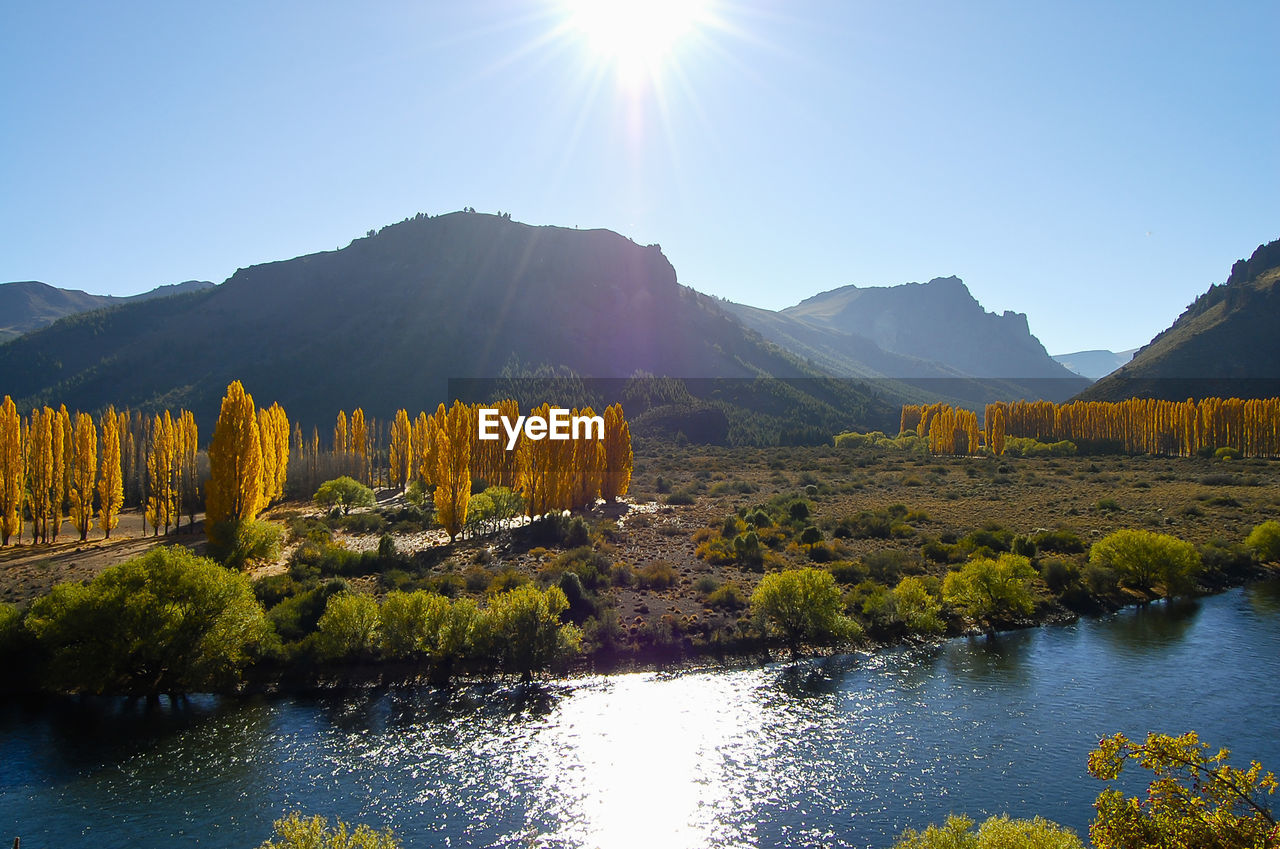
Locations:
column 664, row 579
column 845, row 751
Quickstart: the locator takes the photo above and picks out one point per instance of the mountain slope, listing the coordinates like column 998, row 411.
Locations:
column 387, row 321
column 29, row 305
column 1223, row 345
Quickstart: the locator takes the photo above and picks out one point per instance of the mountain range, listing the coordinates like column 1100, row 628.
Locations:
column 933, row 339
column 28, row 305
column 389, row 320
column 1097, row 363
column 401, row 317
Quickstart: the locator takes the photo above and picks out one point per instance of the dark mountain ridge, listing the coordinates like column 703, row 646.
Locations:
column 1224, row 344
column 928, row 341
column 387, row 321
column 28, row 305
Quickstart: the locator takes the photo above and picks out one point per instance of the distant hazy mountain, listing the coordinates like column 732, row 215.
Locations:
column 386, row 322
column 29, row 305
column 1095, row 364
column 1224, row 344
column 932, row 336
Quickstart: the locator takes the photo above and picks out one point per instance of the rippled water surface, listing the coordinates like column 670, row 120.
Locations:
column 841, row 752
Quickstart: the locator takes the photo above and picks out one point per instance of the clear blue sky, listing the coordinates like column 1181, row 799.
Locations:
column 1094, row 165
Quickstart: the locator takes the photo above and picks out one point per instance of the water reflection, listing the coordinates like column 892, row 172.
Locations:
column 1155, row 627
column 839, row 751
column 1265, row 596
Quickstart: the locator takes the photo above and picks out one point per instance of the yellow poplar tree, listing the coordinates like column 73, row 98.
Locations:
column 160, row 463
column 13, row 471
column 588, row 466
column 188, row 438
column 423, row 464
column 234, row 493
column 453, row 469
column 111, row 482
column 61, row 427
column 84, row 474
column 616, row 476
column 401, row 456
column 341, row 437
column 40, row 470
column 280, row 431
column 267, row 442
column 360, row 443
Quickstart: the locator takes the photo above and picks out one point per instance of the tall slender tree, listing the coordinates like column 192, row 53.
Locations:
column 453, row 469
column 84, row 474
column 111, row 482
column 13, row 471
column 234, row 492
column 616, row 475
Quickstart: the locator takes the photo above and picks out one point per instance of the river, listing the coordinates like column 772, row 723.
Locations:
column 844, row 751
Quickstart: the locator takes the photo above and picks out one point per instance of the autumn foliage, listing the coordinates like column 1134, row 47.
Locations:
column 1136, row 426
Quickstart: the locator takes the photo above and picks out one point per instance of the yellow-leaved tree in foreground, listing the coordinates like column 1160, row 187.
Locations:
column 453, row 434
column 84, row 473
column 111, row 482
column 616, row 477
column 13, row 471
column 234, row 492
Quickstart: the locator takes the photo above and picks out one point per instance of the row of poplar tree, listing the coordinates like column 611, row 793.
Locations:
column 1136, row 426
column 443, row 451
column 53, row 463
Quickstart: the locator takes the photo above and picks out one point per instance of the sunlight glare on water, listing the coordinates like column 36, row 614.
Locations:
column 645, row 760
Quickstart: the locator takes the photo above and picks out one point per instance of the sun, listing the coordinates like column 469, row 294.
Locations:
column 638, row 37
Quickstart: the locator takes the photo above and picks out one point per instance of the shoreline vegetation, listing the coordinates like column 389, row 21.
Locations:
column 794, row 552
column 423, row 562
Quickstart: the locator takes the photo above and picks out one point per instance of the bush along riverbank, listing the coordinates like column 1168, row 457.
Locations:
column 171, row 622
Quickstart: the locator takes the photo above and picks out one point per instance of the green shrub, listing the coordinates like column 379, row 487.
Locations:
column 728, row 596
column 657, row 575
column 344, row 492
column 508, row 579
column 887, row 565
column 802, row 606
column 994, row 833
column 1226, row 453
column 917, row 607
column 411, row 624
column 165, row 622
column 298, row 832
column 1060, row 541
column 848, row 572
column 1101, row 580
column 525, row 624
column 240, row 544
column 991, row 589
column 1219, row 555
column 1264, row 541
column 1108, row 505
column 349, row 628
column 364, row 523
column 681, row 498
column 1143, row 558
column 1059, row 575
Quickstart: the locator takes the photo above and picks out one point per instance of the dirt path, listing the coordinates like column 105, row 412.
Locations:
column 28, row 570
